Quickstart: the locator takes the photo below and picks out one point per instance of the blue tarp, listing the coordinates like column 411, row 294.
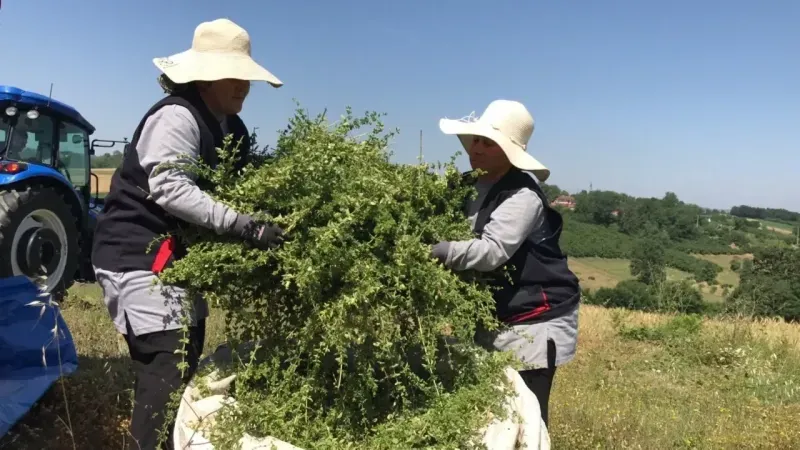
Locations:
column 32, row 356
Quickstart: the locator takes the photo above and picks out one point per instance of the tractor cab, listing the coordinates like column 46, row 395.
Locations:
column 47, row 210
column 42, row 133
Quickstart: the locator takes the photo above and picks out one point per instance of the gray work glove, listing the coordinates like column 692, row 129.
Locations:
column 440, row 250
column 263, row 236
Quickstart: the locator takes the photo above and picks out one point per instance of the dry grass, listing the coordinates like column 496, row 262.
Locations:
column 99, row 394
column 780, row 230
column 735, row 384
column 777, row 227
column 720, row 388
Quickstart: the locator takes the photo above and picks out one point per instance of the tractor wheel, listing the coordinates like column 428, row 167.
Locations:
column 38, row 238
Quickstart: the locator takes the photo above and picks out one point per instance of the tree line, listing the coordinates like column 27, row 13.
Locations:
column 686, row 227
column 110, row 160
column 754, row 212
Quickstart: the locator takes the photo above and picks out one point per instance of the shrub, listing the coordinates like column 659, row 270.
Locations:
column 365, row 340
column 678, row 329
column 629, row 294
column 679, row 296
column 669, row 296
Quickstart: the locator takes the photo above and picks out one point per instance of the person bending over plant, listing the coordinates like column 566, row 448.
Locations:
column 517, row 242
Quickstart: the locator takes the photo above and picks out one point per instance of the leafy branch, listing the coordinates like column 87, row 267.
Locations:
column 363, row 336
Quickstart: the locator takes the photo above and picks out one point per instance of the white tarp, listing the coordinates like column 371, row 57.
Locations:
column 523, row 428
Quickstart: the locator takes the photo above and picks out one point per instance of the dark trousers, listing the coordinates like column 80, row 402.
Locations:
column 540, row 381
column 158, row 376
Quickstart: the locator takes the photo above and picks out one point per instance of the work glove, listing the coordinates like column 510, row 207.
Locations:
column 262, row 236
column 440, row 250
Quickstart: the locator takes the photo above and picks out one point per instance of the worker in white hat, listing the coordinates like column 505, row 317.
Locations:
column 206, row 87
column 516, row 229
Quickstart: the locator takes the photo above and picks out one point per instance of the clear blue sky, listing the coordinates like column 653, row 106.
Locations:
column 701, row 98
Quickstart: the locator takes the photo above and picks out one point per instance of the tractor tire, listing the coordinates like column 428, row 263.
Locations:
column 39, row 238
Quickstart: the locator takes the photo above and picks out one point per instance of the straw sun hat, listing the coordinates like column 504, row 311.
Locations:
column 220, row 49
column 506, row 122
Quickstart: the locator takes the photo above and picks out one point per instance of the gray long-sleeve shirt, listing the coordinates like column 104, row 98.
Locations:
column 171, row 134
column 511, row 223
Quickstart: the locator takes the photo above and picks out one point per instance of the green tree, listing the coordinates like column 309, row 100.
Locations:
column 110, row 160
column 681, row 296
column 742, row 224
column 678, row 218
column 634, row 219
column 648, row 261
column 597, row 206
column 769, row 285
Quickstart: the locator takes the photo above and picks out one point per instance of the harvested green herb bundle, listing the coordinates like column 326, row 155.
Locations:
column 366, row 340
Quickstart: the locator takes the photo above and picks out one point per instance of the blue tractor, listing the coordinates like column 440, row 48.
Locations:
column 47, row 209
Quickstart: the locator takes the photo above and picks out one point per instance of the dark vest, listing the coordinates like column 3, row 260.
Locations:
column 542, row 286
column 130, row 221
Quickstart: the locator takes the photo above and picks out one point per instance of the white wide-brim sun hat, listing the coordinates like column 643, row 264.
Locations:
column 220, row 49
column 506, row 122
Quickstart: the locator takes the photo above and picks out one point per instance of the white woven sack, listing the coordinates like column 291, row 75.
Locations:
column 523, row 428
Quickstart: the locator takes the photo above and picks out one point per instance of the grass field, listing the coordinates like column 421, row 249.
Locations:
column 777, row 226
column 781, row 225
column 727, row 276
column 595, row 273
column 732, row 385
column 728, row 385
column 104, row 180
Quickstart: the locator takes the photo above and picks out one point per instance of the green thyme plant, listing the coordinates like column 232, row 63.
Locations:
column 365, row 341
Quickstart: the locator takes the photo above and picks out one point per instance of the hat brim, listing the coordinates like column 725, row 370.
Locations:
column 191, row 65
column 516, row 154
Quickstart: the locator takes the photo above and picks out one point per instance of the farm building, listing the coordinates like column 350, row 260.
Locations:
column 566, row 201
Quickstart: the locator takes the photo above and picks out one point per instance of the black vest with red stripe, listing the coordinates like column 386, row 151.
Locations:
column 541, row 285
column 124, row 239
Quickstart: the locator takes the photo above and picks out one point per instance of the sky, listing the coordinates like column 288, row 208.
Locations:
column 699, row 98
